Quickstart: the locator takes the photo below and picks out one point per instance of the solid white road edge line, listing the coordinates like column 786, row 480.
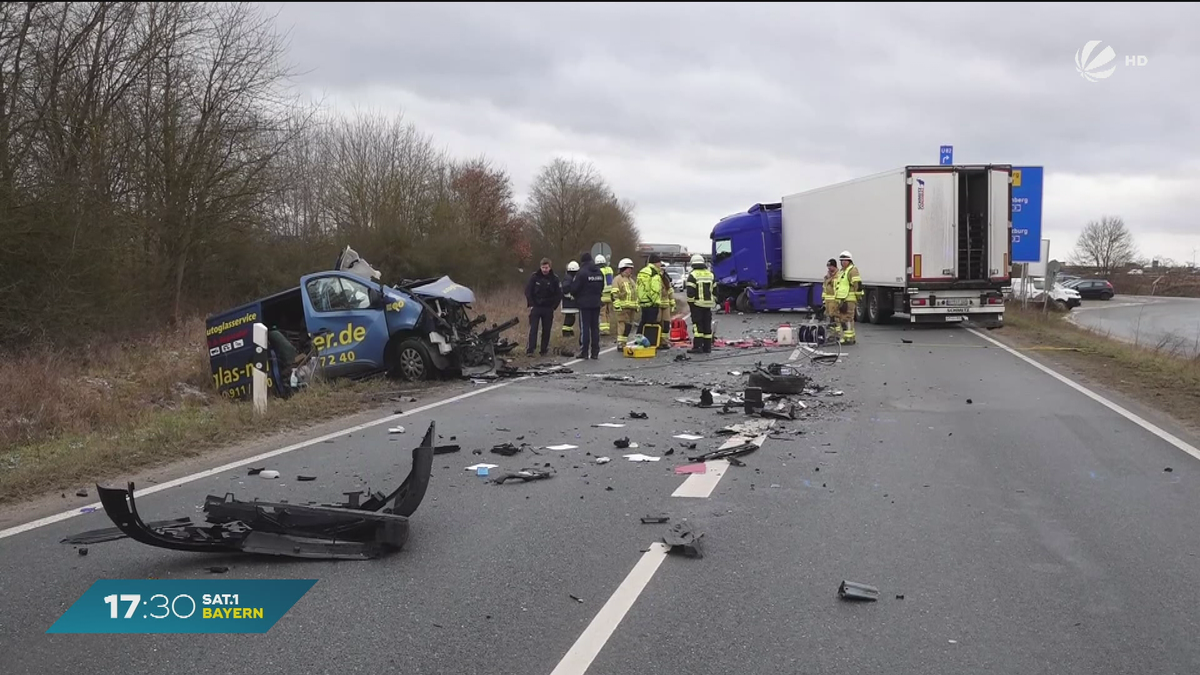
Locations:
column 701, row 485
column 1132, row 417
column 594, row 637
column 48, row 520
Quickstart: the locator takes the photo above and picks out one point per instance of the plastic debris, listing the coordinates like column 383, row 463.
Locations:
column 524, row 475
column 850, row 590
column 564, row 446
column 305, row 478
column 609, row 425
column 642, row 458
column 477, row 467
column 268, row 474
column 603, row 460
column 638, row 415
column 396, row 430
column 654, row 520
column 682, row 541
column 688, row 437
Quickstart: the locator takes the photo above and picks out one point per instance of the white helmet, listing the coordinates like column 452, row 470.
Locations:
column 697, row 260
column 846, row 256
column 572, row 266
column 601, row 260
column 625, row 262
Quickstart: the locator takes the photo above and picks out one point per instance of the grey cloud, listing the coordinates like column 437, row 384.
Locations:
column 727, row 86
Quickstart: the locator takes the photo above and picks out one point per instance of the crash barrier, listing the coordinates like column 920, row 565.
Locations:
column 258, row 386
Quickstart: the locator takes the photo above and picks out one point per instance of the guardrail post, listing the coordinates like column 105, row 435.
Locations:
column 258, row 387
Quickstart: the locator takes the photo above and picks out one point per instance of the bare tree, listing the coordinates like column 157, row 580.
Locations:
column 572, row 207
column 1106, row 244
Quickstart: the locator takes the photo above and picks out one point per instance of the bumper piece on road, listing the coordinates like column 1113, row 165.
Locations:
column 349, row 531
column 850, row 590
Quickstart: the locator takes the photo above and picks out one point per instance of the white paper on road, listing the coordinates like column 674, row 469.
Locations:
column 564, row 446
column 642, row 458
column 396, row 430
column 609, row 425
column 482, row 466
column 603, row 460
column 689, row 437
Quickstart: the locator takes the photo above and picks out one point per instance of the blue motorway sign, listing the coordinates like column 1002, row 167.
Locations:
column 946, row 154
column 1026, row 214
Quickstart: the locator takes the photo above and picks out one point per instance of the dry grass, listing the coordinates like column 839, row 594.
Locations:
column 1157, row 378
column 71, row 418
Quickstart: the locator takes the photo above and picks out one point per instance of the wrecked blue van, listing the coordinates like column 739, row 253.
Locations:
column 346, row 323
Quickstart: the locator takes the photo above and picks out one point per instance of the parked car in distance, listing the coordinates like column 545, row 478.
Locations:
column 678, row 275
column 1092, row 289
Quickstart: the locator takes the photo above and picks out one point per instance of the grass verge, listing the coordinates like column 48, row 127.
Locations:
column 70, row 419
column 1158, row 379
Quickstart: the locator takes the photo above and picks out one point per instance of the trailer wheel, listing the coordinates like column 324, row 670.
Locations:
column 412, row 361
column 874, row 313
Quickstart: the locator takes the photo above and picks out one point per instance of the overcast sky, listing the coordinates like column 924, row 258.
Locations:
column 696, row 111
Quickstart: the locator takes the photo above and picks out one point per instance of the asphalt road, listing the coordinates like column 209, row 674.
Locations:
column 1169, row 323
column 1027, row 528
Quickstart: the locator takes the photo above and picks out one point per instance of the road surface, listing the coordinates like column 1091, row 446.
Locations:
column 1172, row 323
column 1027, row 527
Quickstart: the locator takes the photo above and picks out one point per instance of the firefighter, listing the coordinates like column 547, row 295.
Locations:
column 625, row 301
column 570, row 308
column 606, row 307
column 649, row 292
column 829, row 310
column 666, row 310
column 847, row 290
column 701, row 300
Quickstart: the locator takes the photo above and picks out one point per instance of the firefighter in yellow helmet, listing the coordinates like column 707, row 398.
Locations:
column 847, row 291
column 625, row 301
column 701, row 298
column 606, row 299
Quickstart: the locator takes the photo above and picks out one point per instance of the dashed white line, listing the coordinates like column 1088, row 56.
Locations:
column 1132, row 417
column 48, row 520
column 579, row 658
column 701, row 485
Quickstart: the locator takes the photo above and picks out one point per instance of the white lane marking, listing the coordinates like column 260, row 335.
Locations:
column 1132, row 417
column 701, row 485
column 594, row 637
column 48, row 520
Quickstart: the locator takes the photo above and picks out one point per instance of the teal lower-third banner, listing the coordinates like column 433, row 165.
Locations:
column 182, row 606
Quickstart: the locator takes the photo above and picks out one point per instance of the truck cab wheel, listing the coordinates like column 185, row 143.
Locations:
column 411, row 361
column 860, row 311
column 743, row 302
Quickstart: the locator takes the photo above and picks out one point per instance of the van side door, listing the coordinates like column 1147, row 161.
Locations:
column 345, row 317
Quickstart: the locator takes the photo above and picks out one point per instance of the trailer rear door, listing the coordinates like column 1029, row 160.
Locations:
column 1000, row 222
column 932, row 207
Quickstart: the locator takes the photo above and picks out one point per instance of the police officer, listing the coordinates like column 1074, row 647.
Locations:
column 588, row 287
column 701, row 300
column 606, row 307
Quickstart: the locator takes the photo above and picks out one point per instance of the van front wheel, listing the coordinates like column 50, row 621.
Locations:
column 411, row 361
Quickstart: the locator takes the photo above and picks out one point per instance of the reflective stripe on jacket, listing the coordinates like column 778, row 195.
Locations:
column 700, row 288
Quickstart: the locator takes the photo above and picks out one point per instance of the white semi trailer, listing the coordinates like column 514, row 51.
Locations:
column 931, row 242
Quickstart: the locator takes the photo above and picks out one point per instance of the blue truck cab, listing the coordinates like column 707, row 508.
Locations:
column 346, row 323
column 747, row 255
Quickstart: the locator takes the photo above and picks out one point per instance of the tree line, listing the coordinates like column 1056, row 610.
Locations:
column 156, row 162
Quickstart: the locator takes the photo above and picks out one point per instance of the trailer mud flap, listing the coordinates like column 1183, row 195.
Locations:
column 347, row 531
